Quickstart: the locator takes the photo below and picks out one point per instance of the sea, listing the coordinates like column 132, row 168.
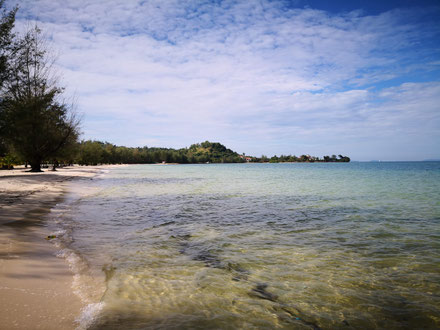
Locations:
column 255, row 246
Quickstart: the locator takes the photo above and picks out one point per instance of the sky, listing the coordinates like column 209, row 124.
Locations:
column 357, row 78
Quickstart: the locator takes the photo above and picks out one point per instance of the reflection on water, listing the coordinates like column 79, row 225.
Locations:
column 304, row 246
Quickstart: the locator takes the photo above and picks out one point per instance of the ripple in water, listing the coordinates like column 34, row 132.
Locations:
column 307, row 246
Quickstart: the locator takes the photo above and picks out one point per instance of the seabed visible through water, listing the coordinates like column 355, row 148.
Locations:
column 306, row 246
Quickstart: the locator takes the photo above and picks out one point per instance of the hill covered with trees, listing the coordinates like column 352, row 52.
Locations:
column 96, row 152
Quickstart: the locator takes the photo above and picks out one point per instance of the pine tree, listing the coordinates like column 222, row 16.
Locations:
column 37, row 122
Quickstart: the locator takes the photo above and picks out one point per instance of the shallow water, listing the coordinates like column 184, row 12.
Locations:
column 303, row 246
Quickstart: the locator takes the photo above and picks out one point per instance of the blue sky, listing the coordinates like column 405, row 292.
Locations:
column 359, row 78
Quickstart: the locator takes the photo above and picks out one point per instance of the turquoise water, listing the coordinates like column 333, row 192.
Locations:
column 250, row 246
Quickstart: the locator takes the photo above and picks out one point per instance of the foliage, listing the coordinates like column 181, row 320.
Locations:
column 96, row 152
column 7, row 20
column 35, row 122
column 212, row 152
column 8, row 161
column 301, row 159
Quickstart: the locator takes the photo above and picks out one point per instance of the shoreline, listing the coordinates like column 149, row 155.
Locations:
column 35, row 285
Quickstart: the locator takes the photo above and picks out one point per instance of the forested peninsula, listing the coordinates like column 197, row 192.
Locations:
column 96, row 152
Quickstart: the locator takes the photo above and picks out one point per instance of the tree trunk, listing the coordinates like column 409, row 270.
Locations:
column 54, row 165
column 35, row 166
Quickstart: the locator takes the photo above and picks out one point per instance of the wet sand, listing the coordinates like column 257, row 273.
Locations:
column 35, row 285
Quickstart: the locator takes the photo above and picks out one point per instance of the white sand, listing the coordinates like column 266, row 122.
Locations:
column 35, row 286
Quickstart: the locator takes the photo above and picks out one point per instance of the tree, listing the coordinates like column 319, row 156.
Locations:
column 274, row 159
column 91, row 153
column 36, row 122
column 7, row 20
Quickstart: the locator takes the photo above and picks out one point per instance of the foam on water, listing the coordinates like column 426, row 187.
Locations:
column 89, row 315
column 88, row 283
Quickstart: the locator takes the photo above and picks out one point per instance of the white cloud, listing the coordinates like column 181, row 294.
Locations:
column 254, row 74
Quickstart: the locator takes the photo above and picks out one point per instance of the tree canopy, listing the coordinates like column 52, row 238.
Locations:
column 7, row 20
column 35, row 121
column 97, row 152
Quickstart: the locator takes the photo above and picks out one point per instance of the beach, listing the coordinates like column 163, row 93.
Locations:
column 36, row 286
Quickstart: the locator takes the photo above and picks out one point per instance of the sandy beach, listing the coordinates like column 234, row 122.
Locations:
column 35, row 285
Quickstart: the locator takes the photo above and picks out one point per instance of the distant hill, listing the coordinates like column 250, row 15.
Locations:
column 97, row 152
column 212, row 152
